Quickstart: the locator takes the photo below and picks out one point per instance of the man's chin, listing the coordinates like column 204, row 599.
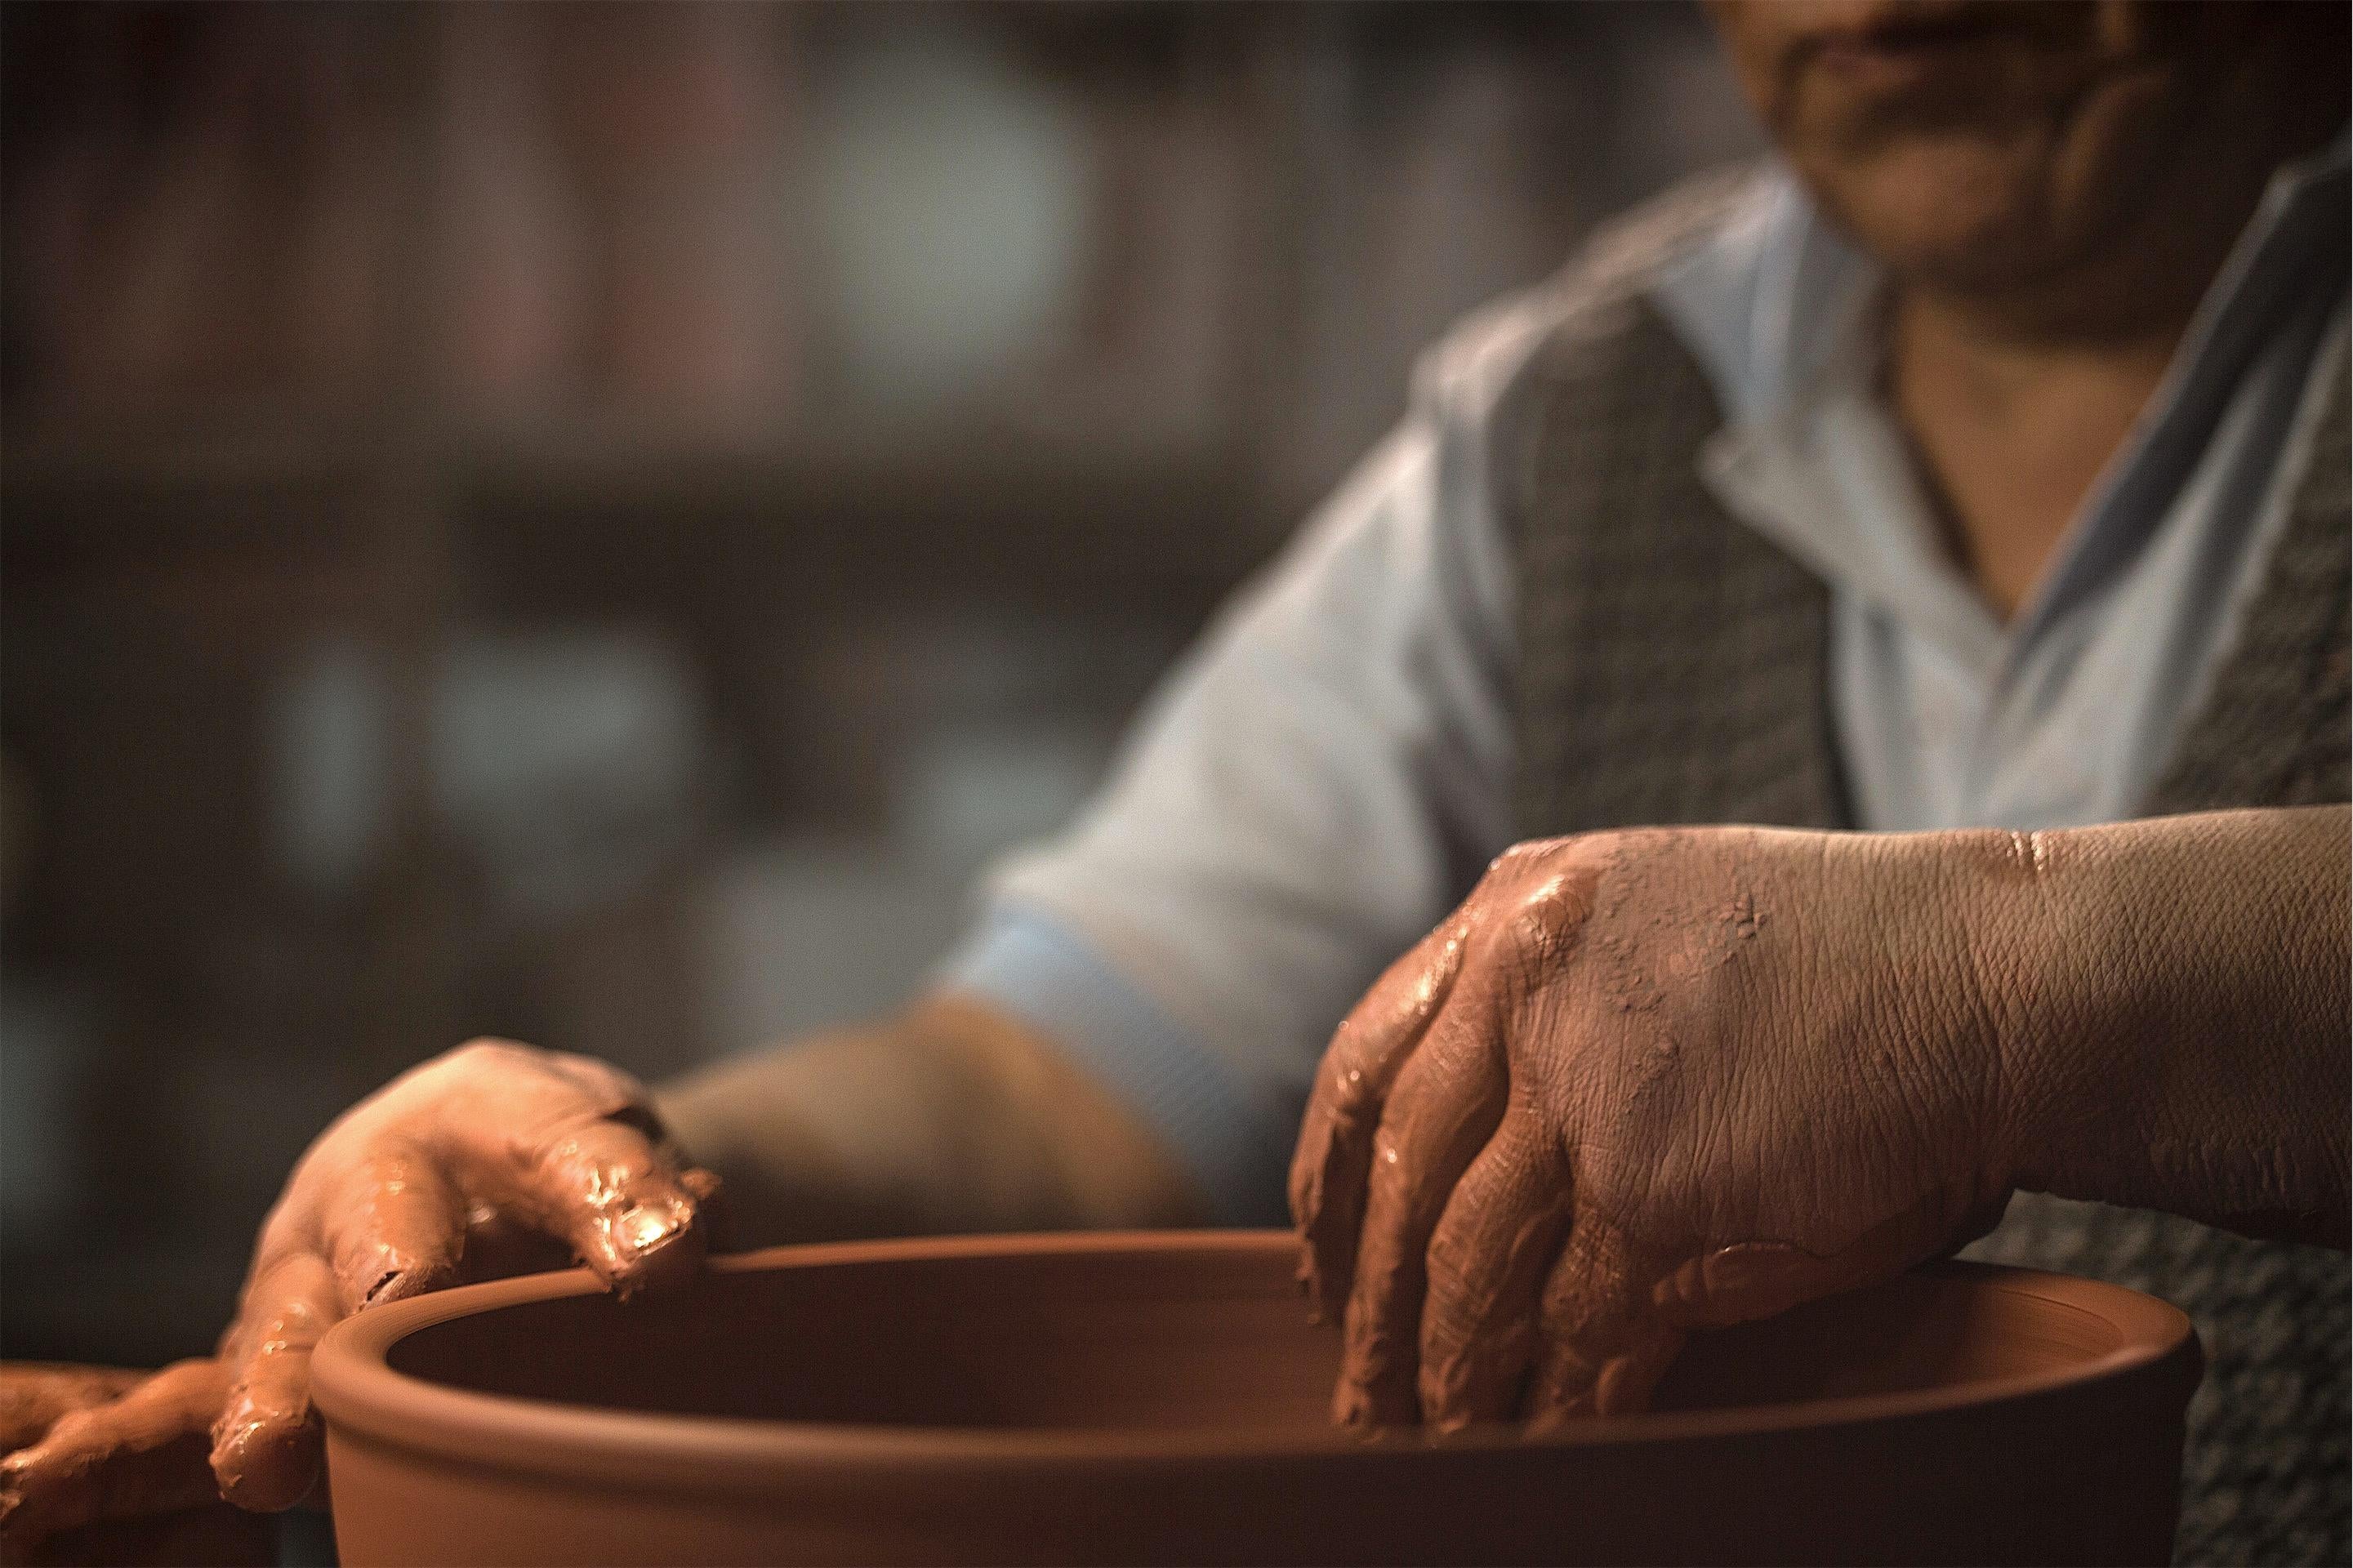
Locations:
column 1959, row 209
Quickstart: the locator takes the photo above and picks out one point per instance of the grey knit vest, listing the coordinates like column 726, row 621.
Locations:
column 1673, row 668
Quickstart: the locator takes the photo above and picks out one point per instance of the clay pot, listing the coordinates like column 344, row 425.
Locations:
column 1162, row 1397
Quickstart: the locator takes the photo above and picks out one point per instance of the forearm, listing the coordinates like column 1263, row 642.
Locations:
column 949, row 1117
column 2179, row 1037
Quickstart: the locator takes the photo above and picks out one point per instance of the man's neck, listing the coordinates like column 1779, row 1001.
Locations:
column 2012, row 431
column 2016, row 400
column 2014, row 406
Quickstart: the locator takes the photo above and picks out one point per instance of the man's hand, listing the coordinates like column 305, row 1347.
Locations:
column 105, row 1465
column 491, row 1160
column 1646, row 1082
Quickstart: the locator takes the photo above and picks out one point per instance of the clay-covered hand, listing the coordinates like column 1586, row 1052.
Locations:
column 1646, row 1082
column 491, row 1159
column 129, row 1449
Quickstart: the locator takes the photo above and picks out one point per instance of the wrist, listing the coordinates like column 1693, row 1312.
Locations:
column 2037, row 1004
column 2171, row 1003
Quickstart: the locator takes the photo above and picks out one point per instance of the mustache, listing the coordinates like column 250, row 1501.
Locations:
column 2034, row 24
column 1983, row 53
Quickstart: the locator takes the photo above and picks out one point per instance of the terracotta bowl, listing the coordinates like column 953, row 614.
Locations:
column 1162, row 1398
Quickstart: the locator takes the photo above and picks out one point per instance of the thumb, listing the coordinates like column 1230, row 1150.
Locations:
column 1754, row 1279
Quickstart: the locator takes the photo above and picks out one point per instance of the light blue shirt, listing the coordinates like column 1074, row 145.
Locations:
column 1326, row 775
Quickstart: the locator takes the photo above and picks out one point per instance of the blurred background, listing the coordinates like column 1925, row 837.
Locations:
column 591, row 523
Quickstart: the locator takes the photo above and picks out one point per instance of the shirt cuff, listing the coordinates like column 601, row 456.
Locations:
column 1030, row 966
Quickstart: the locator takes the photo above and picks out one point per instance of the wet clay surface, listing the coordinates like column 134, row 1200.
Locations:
column 1164, row 1398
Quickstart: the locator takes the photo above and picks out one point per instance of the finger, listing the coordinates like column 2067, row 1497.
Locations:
column 1330, row 1164
column 573, row 1146
column 393, row 1227
column 1604, row 1346
column 1447, row 1100
column 33, row 1395
column 603, row 1187
column 1488, row 1257
column 1741, row 1283
column 265, row 1444
column 142, row 1453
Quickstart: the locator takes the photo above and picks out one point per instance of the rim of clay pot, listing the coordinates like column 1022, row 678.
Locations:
column 356, row 1390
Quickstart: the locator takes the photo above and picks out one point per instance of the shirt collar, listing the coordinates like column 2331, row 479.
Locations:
column 1778, row 307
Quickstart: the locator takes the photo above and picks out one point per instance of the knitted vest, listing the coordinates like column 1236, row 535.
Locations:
column 1673, row 668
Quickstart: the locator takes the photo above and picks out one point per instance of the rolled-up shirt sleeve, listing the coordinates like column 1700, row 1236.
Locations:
column 1307, row 793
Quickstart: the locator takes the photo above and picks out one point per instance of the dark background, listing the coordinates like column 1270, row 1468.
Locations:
column 592, row 524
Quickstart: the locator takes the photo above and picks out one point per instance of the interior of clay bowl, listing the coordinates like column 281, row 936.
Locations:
column 1203, row 1334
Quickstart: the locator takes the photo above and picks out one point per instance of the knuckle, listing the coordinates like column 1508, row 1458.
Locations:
column 282, row 1237
column 1454, row 1277
column 485, row 1052
column 1514, row 856
column 1546, row 919
column 1349, row 1093
column 1614, row 1196
column 1306, row 1202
